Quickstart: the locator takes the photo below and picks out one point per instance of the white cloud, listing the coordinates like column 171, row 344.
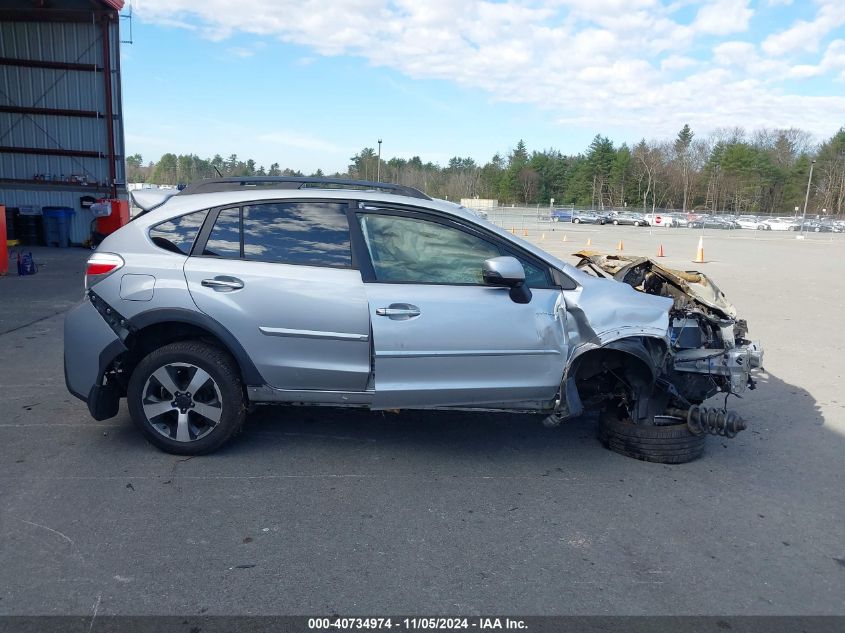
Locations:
column 723, row 16
column 803, row 71
column 804, row 35
column 734, row 53
column 677, row 62
column 633, row 63
column 832, row 62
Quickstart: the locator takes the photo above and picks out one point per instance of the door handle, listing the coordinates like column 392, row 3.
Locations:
column 223, row 284
column 399, row 311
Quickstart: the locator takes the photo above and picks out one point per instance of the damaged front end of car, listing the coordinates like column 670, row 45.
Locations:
column 637, row 382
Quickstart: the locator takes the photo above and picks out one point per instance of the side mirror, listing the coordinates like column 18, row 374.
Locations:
column 503, row 271
column 509, row 273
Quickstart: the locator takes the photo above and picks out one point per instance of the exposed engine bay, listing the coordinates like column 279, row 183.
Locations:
column 708, row 352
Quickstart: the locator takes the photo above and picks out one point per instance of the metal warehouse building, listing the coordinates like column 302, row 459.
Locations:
column 61, row 121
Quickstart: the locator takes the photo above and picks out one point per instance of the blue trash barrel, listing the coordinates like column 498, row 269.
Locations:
column 57, row 225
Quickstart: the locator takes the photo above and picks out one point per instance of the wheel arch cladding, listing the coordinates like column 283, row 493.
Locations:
column 643, row 354
column 163, row 318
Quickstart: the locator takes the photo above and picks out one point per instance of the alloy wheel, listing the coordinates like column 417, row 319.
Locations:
column 182, row 402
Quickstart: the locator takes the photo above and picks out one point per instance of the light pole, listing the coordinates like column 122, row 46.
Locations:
column 378, row 168
column 807, row 196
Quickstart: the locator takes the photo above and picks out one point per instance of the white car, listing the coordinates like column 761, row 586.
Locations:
column 660, row 219
column 782, row 224
column 750, row 222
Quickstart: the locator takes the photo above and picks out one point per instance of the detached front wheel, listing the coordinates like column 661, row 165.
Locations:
column 187, row 398
column 664, row 444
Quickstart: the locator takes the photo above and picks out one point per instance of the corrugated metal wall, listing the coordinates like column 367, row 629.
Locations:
column 38, row 177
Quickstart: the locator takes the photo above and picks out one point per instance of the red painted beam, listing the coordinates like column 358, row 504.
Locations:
column 107, row 90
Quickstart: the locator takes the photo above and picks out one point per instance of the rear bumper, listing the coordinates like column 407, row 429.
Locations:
column 90, row 346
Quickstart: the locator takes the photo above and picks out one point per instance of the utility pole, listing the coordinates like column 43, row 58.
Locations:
column 807, row 197
column 378, row 169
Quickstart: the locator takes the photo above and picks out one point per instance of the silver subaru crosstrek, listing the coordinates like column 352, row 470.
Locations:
column 304, row 291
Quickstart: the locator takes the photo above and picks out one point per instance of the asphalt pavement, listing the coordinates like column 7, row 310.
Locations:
column 321, row 511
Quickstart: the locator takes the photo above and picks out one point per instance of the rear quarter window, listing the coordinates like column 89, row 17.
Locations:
column 177, row 234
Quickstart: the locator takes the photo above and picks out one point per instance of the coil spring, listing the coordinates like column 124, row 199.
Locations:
column 714, row 421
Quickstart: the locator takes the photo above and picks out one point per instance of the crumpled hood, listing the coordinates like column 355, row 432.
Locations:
column 683, row 287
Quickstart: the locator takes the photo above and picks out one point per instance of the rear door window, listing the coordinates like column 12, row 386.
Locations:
column 177, row 235
column 299, row 233
column 225, row 238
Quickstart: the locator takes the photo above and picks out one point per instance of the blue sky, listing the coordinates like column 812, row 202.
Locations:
column 307, row 84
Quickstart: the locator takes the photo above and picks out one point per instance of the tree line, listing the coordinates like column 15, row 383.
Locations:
column 729, row 171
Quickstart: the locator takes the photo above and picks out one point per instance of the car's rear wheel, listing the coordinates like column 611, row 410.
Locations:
column 616, row 222
column 664, row 444
column 187, row 398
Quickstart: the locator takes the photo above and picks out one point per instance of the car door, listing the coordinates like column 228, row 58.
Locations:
column 279, row 276
column 443, row 338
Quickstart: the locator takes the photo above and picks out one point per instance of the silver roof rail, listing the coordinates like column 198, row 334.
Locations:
column 236, row 183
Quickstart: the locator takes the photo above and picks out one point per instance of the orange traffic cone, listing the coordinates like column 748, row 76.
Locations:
column 699, row 254
column 589, row 241
column 620, row 246
column 513, row 230
column 524, row 232
column 660, row 251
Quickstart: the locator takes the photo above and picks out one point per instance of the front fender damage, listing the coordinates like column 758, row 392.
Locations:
column 648, row 370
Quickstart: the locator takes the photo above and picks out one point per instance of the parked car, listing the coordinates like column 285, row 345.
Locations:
column 587, row 217
column 711, row 222
column 631, row 219
column 751, row 222
column 561, row 215
column 237, row 292
column 782, row 224
column 818, row 226
column 679, row 219
column 660, row 219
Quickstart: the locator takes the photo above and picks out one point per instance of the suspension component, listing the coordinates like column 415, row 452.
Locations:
column 710, row 420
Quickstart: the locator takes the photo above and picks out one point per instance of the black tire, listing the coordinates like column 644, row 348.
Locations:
column 577, row 221
column 221, row 369
column 636, row 223
column 672, row 444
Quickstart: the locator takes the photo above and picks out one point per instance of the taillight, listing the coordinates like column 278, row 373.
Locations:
column 100, row 266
